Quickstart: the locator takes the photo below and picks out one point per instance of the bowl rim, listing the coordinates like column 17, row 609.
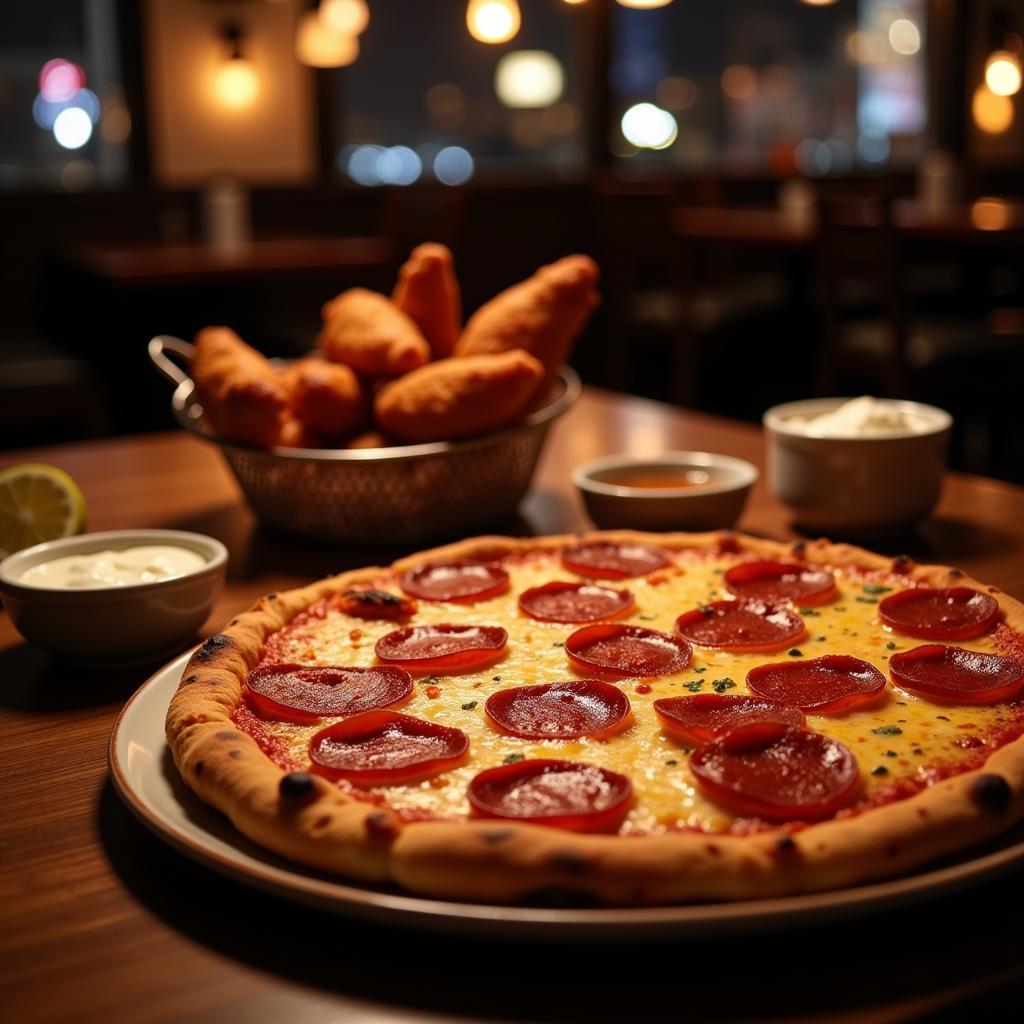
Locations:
column 184, row 403
column 215, row 553
column 746, row 475
column 774, row 419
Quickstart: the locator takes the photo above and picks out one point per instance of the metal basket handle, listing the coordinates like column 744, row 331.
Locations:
column 160, row 346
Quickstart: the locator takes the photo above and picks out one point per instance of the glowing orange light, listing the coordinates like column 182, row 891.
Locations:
column 319, row 46
column 236, row 84
column 993, row 114
column 1002, row 73
column 350, row 17
column 739, row 82
column 493, row 21
column 990, row 214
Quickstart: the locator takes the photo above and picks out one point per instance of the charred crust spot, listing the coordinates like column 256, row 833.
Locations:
column 297, row 786
column 799, row 547
column 901, row 563
column 322, row 822
column 494, row 836
column 571, row 862
column 234, row 754
column 198, row 770
column 213, row 645
column 785, row 845
column 728, row 544
column 714, row 849
column 272, row 595
column 381, row 825
column 233, row 622
column 228, row 734
column 373, row 598
column 192, row 677
column 954, row 573
column 891, row 850
column 991, row 792
column 922, row 813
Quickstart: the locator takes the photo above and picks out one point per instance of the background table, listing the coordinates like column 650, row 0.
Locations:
column 100, row 921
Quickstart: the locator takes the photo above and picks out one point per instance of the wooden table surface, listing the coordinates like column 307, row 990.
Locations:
column 100, row 921
column 986, row 221
column 162, row 264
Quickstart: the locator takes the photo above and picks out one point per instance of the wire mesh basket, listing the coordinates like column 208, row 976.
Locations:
column 396, row 495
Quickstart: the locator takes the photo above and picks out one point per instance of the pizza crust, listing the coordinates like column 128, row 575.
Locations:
column 506, row 861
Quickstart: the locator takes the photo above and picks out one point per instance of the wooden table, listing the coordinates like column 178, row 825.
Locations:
column 174, row 264
column 987, row 221
column 100, row 921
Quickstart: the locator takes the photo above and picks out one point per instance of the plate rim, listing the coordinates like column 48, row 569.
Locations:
column 511, row 921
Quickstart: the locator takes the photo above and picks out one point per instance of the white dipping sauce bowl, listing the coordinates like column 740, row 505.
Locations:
column 714, row 505
column 113, row 625
column 856, row 486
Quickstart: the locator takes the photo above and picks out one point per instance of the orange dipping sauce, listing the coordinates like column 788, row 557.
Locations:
column 647, row 479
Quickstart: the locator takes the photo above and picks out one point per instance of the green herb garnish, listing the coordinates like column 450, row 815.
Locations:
column 647, row 618
column 795, row 652
column 880, row 770
column 695, row 686
column 513, row 758
column 721, row 685
column 866, row 600
column 875, row 588
column 469, row 706
column 887, row 730
column 890, row 646
column 671, row 762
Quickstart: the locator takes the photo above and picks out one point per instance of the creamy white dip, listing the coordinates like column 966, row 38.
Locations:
column 143, row 564
column 862, row 417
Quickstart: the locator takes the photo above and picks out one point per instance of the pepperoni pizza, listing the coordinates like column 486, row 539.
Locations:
column 638, row 718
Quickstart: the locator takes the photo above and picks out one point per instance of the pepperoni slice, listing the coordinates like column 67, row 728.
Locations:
column 460, row 580
column 307, row 693
column 445, row 648
column 615, row 650
column 382, row 748
column 953, row 674
column 707, row 716
column 602, row 560
column 781, row 581
column 946, row 613
column 798, row 776
column 559, row 711
column 564, row 794
column 741, row 625
column 822, row 686
column 574, row 602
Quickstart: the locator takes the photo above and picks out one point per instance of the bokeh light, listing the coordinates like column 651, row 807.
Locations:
column 349, row 17
column 645, row 5
column 398, row 165
column 739, row 82
column 529, row 78
column 72, row 128
column 362, row 164
column 236, row 84
column 59, row 80
column 649, row 127
column 493, row 21
column 317, row 45
column 1002, row 73
column 453, row 165
column 988, row 214
column 904, row 37
column 992, row 113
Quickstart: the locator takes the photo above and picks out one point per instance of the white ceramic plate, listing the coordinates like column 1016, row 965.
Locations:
column 145, row 776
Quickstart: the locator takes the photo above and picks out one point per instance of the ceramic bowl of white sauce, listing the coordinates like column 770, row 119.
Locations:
column 116, row 597
column 859, row 468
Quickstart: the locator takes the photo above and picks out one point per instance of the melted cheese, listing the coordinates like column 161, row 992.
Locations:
column 902, row 740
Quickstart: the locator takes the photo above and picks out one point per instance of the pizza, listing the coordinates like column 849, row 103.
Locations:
column 621, row 717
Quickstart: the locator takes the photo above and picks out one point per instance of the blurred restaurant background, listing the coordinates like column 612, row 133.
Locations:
column 787, row 198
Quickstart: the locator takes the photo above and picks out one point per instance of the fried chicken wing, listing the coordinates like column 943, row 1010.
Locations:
column 368, row 332
column 543, row 314
column 327, row 397
column 456, row 398
column 428, row 292
column 238, row 389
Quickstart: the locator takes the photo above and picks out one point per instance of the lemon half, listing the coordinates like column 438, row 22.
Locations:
column 37, row 503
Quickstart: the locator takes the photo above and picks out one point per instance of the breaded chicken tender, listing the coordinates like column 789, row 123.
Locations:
column 456, row 398
column 327, row 397
column 428, row 292
column 368, row 332
column 241, row 395
column 543, row 314
column 295, row 434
